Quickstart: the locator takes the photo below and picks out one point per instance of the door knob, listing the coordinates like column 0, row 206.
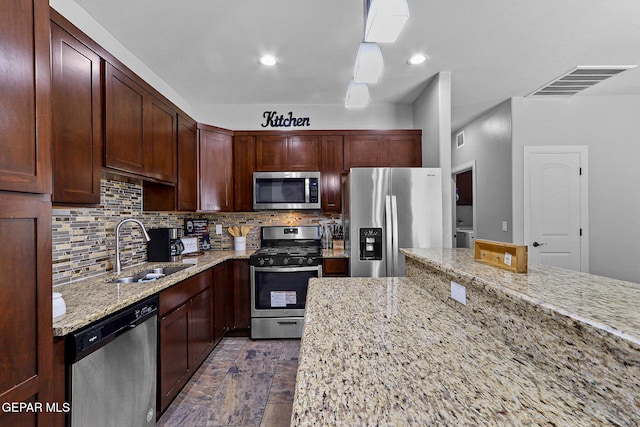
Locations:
column 536, row 244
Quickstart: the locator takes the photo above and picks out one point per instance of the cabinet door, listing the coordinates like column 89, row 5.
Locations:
column 271, row 153
column 362, row 151
column 331, row 149
column 335, row 267
column 124, row 111
column 25, row 111
column 26, row 358
column 220, row 301
column 200, row 328
column 160, row 141
column 402, row 151
column 303, row 153
column 187, row 165
column 216, row 176
column 174, row 354
column 241, row 291
column 77, row 120
column 244, row 165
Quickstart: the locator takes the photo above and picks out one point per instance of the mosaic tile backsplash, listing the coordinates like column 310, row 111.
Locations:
column 84, row 238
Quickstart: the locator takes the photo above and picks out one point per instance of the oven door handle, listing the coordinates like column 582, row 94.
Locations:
column 287, row 269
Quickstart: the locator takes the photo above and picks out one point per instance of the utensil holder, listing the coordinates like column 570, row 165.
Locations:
column 240, row 243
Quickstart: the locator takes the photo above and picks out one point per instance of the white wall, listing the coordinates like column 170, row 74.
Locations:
column 432, row 114
column 609, row 127
column 488, row 142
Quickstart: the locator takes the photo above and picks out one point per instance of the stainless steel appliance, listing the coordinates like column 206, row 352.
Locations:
column 387, row 209
column 113, row 369
column 286, row 190
column 280, row 271
column 165, row 245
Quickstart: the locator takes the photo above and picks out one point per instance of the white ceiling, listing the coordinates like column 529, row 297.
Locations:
column 207, row 50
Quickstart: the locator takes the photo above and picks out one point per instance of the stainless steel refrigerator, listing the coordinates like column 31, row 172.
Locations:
column 386, row 209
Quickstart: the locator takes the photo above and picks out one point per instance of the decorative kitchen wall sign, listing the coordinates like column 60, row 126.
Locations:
column 272, row 119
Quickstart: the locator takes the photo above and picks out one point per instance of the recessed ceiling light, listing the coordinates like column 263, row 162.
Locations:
column 268, row 60
column 416, row 59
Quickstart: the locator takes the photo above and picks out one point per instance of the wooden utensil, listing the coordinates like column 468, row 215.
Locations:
column 236, row 230
column 245, row 230
column 231, row 231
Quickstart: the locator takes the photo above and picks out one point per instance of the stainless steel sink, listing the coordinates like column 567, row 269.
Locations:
column 151, row 275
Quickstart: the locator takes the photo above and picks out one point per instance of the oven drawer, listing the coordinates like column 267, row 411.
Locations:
column 276, row 327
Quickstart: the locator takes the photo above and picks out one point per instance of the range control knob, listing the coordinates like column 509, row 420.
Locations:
column 261, row 261
column 309, row 261
column 300, row 261
column 270, row 261
column 286, row 261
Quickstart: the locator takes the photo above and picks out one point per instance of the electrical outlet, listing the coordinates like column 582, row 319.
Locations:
column 219, row 229
column 458, row 292
column 504, row 225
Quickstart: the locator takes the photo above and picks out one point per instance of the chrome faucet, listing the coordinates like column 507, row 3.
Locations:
column 146, row 238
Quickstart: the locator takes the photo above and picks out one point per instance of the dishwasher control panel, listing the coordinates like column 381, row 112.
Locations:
column 90, row 338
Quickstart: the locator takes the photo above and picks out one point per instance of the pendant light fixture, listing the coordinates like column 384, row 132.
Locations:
column 357, row 95
column 385, row 20
column 369, row 64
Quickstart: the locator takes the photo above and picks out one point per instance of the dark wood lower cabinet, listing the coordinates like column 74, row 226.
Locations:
column 335, row 267
column 240, row 293
column 200, row 327
column 220, row 301
column 173, row 361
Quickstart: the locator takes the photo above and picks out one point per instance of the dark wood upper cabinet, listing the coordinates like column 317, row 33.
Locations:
column 160, row 141
column 244, row 165
column 303, row 153
column 331, row 148
column 216, row 164
column 287, row 153
column 25, row 110
column 140, row 136
column 362, row 151
column 383, row 149
column 187, row 185
column 124, row 114
column 402, row 150
column 271, row 153
column 77, row 120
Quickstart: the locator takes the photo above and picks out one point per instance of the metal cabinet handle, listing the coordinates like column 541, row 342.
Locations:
column 536, row 244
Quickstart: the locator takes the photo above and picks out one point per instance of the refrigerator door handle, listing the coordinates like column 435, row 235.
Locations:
column 394, row 219
column 388, row 220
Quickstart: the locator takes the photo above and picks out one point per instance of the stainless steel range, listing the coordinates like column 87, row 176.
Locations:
column 280, row 271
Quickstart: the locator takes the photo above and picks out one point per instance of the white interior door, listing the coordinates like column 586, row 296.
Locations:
column 555, row 199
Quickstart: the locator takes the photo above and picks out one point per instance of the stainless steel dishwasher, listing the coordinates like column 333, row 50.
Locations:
column 113, row 369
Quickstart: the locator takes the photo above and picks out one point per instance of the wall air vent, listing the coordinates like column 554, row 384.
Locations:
column 580, row 78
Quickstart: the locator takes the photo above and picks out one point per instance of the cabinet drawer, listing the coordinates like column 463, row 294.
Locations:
column 179, row 293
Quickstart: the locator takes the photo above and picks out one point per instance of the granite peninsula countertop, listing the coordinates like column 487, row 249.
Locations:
column 608, row 305
column 94, row 298
column 400, row 351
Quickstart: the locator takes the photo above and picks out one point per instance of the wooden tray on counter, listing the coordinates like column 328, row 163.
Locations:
column 502, row 255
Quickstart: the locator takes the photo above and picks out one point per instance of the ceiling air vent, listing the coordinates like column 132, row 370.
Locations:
column 580, row 78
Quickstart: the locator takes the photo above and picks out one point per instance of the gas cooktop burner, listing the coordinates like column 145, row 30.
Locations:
column 288, row 247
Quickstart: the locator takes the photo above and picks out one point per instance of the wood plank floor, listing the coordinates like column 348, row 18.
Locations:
column 242, row 383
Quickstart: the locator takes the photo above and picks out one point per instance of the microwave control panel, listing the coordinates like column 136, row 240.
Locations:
column 313, row 190
column 371, row 244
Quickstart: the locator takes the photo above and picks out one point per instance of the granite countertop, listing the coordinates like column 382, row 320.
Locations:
column 92, row 299
column 608, row 305
column 388, row 352
column 334, row 253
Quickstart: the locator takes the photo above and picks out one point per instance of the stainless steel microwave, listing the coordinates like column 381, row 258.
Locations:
column 286, row 190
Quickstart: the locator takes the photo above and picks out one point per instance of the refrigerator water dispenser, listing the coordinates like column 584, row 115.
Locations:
column 371, row 244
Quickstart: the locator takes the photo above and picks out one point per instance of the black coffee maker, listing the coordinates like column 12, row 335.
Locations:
column 165, row 245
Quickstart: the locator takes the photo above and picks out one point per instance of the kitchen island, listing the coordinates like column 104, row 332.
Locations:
column 550, row 347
